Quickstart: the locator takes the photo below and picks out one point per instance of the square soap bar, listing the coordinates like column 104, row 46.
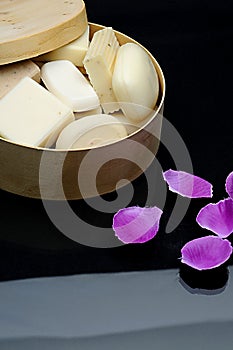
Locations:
column 31, row 115
column 11, row 74
column 74, row 51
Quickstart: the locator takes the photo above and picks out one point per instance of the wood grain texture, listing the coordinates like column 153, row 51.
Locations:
column 37, row 173
column 30, row 28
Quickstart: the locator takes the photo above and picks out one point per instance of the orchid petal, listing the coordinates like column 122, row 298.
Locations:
column 206, row 252
column 217, row 217
column 136, row 224
column 229, row 184
column 187, row 185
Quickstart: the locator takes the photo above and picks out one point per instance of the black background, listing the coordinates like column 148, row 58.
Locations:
column 193, row 42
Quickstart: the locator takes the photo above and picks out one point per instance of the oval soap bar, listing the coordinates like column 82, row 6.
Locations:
column 91, row 131
column 135, row 82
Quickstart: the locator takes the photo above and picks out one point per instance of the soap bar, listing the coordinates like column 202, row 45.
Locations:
column 79, row 115
column 91, row 131
column 11, row 74
column 74, row 51
column 135, row 82
column 130, row 126
column 99, row 64
column 66, row 82
column 31, row 115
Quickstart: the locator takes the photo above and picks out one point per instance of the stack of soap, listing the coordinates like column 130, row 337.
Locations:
column 11, row 74
column 31, row 115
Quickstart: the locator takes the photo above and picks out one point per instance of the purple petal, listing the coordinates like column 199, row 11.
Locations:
column 136, row 224
column 206, row 252
column 187, row 185
column 229, row 185
column 217, row 218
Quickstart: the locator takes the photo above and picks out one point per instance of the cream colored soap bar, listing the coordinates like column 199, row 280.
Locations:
column 11, row 74
column 99, row 64
column 31, row 115
column 79, row 115
column 135, row 82
column 74, row 51
column 66, row 82
column 91, row 131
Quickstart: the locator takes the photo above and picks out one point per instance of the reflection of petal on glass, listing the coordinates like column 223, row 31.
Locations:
column 217, row 217
column 208, row 282
column 187, row 185
column 229, row 184
column 206, row 252
column 136, row 225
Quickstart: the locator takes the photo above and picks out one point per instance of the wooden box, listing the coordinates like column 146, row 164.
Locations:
column 74, row 174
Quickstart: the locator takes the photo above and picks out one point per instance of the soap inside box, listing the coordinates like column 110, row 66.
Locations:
column 20, row 165
column 24, row 117
column 37, row 116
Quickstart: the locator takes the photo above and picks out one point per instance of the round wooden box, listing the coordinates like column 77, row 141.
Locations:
column 30, row 28
column 75, row 174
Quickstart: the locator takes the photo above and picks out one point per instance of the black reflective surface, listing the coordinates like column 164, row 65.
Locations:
column 193, row 43
column 207, row 282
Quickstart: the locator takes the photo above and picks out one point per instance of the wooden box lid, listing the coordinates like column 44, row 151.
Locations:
column 29, row 28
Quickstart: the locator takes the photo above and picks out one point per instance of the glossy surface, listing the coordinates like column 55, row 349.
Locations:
column 148, row 309
column 192, row 40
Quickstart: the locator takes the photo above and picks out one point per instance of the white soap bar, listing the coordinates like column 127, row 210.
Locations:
column 79, row 115
column 130, row 126
column 99, row 64
column 31, row 115
column 11, row 74
column 135, row 123
column 66, row 82
column 135, row 82
column 91, row 131
column 74, row 51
